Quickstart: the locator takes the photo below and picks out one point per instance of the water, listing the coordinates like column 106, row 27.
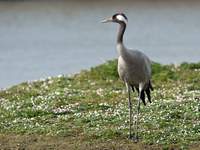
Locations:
column 47, row 38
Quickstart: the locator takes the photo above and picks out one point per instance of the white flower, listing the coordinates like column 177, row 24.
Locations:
column 60, row 76
column 99, row 92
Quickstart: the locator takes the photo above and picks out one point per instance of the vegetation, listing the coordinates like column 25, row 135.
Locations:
column 89, row 109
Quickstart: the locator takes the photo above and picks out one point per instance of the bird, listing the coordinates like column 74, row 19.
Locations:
column 134, row 69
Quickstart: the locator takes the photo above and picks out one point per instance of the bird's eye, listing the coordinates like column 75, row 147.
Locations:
column 114, row 16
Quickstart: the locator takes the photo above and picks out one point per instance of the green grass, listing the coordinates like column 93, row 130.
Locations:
column 93, row 105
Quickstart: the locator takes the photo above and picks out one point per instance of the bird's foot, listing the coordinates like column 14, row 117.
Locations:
column 130, row 137
column 134, row 138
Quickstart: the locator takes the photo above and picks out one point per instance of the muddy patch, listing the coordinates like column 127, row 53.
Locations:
column 39, row 142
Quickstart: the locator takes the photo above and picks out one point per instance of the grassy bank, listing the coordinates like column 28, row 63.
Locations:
column 90, row 109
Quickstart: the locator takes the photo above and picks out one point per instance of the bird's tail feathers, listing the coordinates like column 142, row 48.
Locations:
column 142, row 97
column 147, row 91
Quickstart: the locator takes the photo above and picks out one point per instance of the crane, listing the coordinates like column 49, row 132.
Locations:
column 134, row 69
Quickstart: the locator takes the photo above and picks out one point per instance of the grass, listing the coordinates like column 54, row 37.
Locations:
column 92, row 107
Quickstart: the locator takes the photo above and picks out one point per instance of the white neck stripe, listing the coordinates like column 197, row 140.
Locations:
column 121, row 18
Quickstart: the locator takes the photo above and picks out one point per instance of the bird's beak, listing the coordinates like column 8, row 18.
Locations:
column 107, row 20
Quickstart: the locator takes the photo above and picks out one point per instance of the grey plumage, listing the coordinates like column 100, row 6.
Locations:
column 134, row 68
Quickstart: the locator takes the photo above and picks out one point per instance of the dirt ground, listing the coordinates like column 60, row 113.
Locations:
column 38, row 142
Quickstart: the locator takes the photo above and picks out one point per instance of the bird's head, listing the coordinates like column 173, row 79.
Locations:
column 117, row 18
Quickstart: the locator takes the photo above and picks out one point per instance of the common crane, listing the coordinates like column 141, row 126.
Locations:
column 134, row 69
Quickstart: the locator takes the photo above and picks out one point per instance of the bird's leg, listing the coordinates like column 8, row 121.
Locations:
column 130, row 111
column 137, row 118
column 138, row 110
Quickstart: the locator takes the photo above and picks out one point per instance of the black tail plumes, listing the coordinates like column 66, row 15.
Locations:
column 142, row 97
column 147, row 90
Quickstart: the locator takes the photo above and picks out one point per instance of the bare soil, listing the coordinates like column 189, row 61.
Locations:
column 40, row 142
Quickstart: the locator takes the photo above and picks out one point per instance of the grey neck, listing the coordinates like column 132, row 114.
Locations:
column 121, row 31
